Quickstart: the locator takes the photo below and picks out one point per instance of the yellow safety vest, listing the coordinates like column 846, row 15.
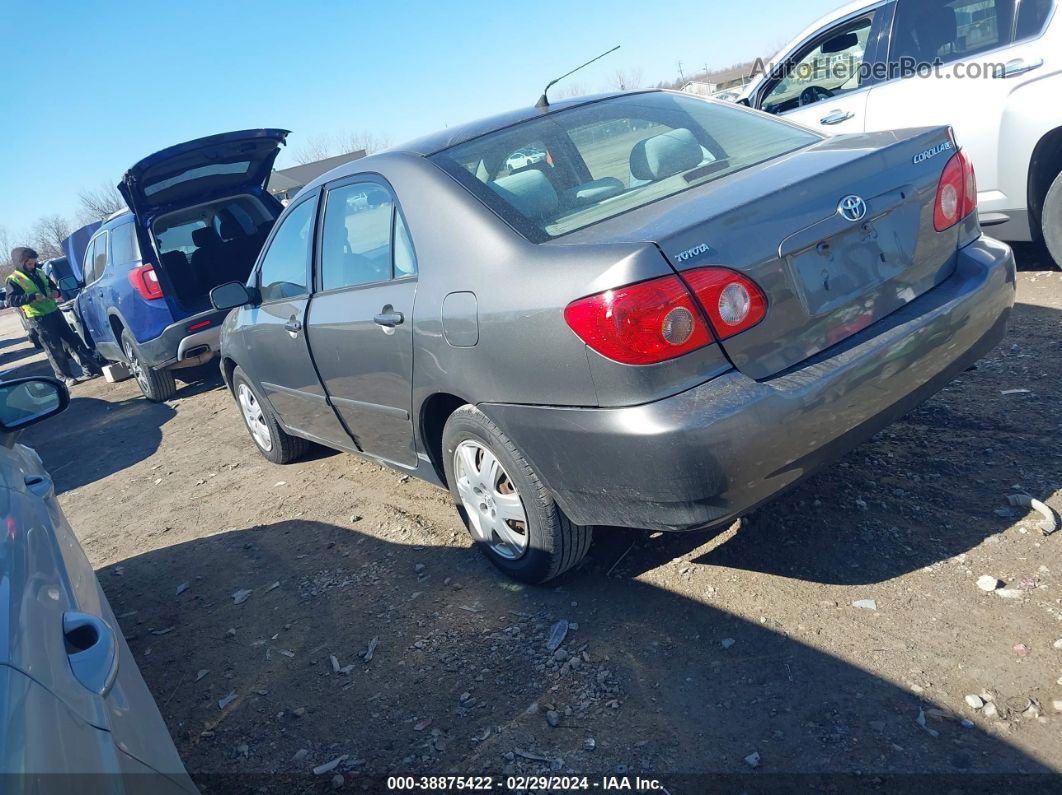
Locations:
column 29, row 287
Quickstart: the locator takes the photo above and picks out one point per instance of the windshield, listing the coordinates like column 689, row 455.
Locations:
column 574, row 168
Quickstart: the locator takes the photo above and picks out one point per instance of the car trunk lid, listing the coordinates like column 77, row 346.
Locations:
column 194, row 171
column 825, row 276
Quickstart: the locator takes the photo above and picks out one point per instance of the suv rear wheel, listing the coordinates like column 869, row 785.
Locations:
column 1052, row 220
column 513, row 519
column 157, row 385
column 272, row 441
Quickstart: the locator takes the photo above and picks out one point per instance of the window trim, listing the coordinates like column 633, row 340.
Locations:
column 396, row 207
column 256, row 274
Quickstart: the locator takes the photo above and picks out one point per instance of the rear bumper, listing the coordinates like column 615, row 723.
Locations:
column 176, row 344
column 704, row 457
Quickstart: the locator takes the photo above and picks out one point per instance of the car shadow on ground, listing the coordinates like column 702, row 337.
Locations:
column 458, row 655
column 886, row 508
column 95, row 438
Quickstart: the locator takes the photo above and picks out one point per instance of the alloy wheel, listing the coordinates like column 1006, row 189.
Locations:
column 490, row 499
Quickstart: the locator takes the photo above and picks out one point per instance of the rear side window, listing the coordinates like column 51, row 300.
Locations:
column 364, row 238
column 124, row 247
column 950, row 30
column 610, row 157
column 99, row 256
column 286, row 264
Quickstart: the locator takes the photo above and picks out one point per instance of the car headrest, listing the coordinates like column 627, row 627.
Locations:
column 936, row 26
column 530, row 192
column 174, row 261
column 205, row 237
column 665, row 155
column 230, row 228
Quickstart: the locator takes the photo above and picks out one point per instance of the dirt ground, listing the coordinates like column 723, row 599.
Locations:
column 375, row 634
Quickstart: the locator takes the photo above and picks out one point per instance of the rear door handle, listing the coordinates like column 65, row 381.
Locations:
column 293, row 326
column 1018, row 66
column 389, row 318
column 92, row 651
column 836, row 117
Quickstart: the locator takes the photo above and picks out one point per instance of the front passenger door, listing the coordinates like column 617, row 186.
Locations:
column 360, row 322
column 278, row 358
column 825, row 86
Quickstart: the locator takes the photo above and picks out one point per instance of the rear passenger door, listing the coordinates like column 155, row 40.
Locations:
column 278, row 358
column 91, row 299
column 360, row 321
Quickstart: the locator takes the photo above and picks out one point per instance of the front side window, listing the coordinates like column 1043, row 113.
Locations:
column 124, row 247
column 285, row 268
column 611, row 157
column 950, row 30
column 832, row 67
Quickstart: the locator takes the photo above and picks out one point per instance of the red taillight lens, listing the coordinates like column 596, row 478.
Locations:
column 970, row 177
column 146, row 282
column 642, row 323
column 733, row 302
column 956, row 193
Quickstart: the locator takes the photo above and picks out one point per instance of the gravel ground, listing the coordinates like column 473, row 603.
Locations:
column 288, row 617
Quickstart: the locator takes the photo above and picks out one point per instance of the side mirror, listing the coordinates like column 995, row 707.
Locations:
column 845, row 41
column 69, row 284
column 744, row 101
column 231, row 295
column 27, row 401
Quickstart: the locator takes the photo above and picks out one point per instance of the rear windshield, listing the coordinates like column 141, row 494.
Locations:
column 574, row 168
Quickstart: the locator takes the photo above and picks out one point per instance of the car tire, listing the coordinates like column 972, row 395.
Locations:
column 548, row 543
column 157, row 385
column 1051, row 220
column 272, row 441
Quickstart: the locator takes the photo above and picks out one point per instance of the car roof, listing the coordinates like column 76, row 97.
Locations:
column 436, row 142
column 444, row 139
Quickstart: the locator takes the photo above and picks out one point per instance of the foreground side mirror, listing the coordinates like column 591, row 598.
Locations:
column 69, row 284
column 27, row 401
column 231, row 295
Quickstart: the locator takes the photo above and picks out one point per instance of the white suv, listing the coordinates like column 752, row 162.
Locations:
column 990, row 68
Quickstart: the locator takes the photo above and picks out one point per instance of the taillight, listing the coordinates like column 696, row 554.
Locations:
column 642, row 323
column 733, row 302
column 657, row 320
column 970, row 178
column 146, row 282
column 956, row 193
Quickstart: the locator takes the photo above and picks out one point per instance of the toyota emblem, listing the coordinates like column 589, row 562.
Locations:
column 852, row 208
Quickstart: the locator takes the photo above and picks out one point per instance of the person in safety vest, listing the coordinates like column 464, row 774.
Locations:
column 35, row 296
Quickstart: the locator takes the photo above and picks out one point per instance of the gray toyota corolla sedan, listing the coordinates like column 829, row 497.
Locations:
column 680, row 309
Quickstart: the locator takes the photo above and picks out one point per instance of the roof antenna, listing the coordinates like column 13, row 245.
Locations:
column 543, row 101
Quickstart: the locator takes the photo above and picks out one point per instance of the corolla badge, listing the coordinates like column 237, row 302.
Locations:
column 922, row 157
column 691, row 253
column 852, row 208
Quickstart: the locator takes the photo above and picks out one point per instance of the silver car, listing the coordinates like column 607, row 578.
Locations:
column 75, row 714
column 684, row 308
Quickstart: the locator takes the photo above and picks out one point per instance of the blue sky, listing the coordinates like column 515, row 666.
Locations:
column 88, row 88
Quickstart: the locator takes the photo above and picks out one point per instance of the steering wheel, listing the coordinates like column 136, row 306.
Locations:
column 813, row 94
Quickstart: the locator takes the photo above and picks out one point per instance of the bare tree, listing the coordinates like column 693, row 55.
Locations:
column 573, row 89
column 363, row 139
column 626, row 79
column 48, row 235
column 99, row 203
column 317, row 147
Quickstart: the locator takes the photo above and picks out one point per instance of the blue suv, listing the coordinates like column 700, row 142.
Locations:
column 198, row 215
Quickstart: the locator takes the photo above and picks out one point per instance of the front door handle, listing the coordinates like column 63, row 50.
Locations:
column 389, row 318
column 92, row 651
column 1018, row 66
column 100, row 293
column 293, row 326
column 836, row 117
